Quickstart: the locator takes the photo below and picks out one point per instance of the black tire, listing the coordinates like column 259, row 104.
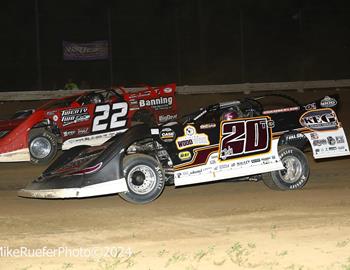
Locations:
column 141, row 191
column 296, row 174
column 43, row 138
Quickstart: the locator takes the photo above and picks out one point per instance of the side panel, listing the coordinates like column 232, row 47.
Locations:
column 245, row 148
column 215, row 169
column 91, row 119
column 160, row 101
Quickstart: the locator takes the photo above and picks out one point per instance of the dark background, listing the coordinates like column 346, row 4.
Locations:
column 183, row 41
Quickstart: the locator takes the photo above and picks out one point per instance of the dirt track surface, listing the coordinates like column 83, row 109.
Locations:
column 225, row 225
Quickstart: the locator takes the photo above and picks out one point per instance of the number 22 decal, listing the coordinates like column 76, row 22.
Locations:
column 244, row 137
column 113, row 116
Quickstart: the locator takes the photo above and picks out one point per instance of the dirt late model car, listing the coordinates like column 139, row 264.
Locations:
column 90, row 118
column 239, row 140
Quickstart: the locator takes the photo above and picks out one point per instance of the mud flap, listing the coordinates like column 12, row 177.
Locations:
column 326, row 144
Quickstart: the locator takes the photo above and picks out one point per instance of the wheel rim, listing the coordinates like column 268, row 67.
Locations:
column 293, row 169
column 40, row 147
column 141, row 179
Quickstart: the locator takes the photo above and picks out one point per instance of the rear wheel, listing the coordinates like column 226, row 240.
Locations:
column 144, row 178
column 296, row 172
column 42, row 147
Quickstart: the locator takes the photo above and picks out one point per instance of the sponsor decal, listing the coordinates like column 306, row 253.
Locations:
column 154, row 131
column 166, row 118
column 207, row 169
column 328, row 102
column 83, row 131
column 68, row 133
column 195, row 172
column 331, row 140
column 271, row 123
column 294, row 136
column 310, row 106
column 50, row 113
column 339, row 139
column 167, row 90
column 185, row 155
column 244, row 137
column 55, row 118
column 207, row 126
column 290, row 109
column 314, row 136
column 243, row 163
column 167, row 135
column 191, row 138
column 319, row 142
column 256, row 160
column 157, row 102
column 73, row 116
column 266, row 160
column 224, row 166
column 322, row 119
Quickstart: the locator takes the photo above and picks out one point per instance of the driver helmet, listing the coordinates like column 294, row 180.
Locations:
column 96, row 99
column 229, row 114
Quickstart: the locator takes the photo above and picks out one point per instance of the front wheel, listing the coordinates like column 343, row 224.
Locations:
column 42, row 147
column 296, row 172
column 144, row 177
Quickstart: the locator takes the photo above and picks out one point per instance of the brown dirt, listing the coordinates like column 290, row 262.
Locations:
column 224, row 225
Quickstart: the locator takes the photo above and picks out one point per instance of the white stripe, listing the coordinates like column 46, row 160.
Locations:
column 110, row 187
column 92, row 140
column 14, row 156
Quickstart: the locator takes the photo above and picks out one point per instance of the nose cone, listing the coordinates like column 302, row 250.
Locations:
column 52, row 188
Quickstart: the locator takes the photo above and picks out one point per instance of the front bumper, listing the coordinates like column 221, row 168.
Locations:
column 105, row 188
column 15, row 156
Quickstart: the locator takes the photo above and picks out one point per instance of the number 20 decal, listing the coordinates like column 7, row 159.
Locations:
column 244, row 137
column 113, row 116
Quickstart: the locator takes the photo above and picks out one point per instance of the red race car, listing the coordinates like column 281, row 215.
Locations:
column 90, row 118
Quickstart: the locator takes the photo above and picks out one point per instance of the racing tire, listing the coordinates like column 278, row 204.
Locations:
column 144, row 178
column 296, row 172
column 42, row 147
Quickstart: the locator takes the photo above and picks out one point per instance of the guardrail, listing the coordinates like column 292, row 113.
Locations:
column 191, row 89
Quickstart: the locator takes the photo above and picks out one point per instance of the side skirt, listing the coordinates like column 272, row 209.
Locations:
column 16, row 156
column 110, row 187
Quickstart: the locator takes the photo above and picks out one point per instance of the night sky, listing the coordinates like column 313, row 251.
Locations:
column 182, row 41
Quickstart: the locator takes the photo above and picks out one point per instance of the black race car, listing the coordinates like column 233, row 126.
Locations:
column 242, row 139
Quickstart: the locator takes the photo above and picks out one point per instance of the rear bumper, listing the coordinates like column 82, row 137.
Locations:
column 105, row 188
